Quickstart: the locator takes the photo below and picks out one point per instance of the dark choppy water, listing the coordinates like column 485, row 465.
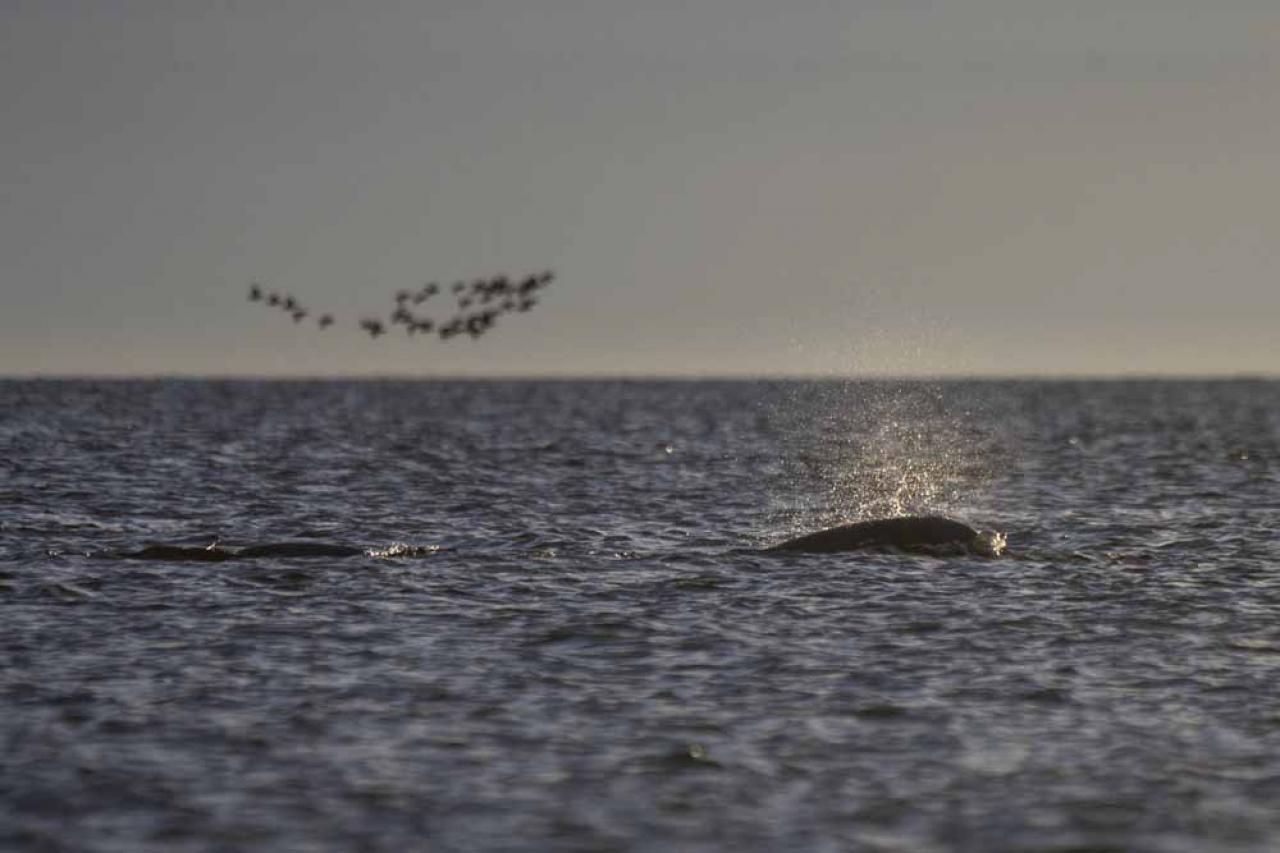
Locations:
column 580, row 649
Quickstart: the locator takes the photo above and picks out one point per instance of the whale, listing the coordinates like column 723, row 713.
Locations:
column 300, row 549
column 179, row 553
column 214, row 554
column 926, row 534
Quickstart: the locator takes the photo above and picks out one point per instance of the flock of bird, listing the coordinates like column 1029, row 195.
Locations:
column 478, row 305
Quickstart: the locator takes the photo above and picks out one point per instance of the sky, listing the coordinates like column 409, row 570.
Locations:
column 724, row 187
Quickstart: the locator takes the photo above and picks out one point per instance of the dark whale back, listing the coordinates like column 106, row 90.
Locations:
column 179, row 553
column 906, row 533
column 299, row 549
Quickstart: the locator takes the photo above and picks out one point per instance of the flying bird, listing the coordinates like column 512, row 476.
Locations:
column 480, row 302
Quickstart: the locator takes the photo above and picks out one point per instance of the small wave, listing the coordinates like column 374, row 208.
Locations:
column 401, row 549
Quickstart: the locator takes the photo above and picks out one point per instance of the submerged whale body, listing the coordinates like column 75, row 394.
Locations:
column 299, row 549
column 218, row 555
column 179, row 552
column 930, row 534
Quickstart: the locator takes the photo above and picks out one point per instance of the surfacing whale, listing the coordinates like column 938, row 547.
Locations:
column 929, row 534
column 214, row 554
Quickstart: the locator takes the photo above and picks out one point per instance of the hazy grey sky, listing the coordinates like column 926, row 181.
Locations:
column 726, row 187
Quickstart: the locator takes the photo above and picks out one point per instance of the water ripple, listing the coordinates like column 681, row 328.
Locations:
column 564, row 637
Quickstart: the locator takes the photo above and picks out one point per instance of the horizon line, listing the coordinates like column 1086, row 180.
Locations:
column 1241, row 376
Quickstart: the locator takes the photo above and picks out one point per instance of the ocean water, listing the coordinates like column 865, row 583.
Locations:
column 564, row 635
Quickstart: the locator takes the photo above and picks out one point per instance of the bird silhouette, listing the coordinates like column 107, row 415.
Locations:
column 480, row 302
